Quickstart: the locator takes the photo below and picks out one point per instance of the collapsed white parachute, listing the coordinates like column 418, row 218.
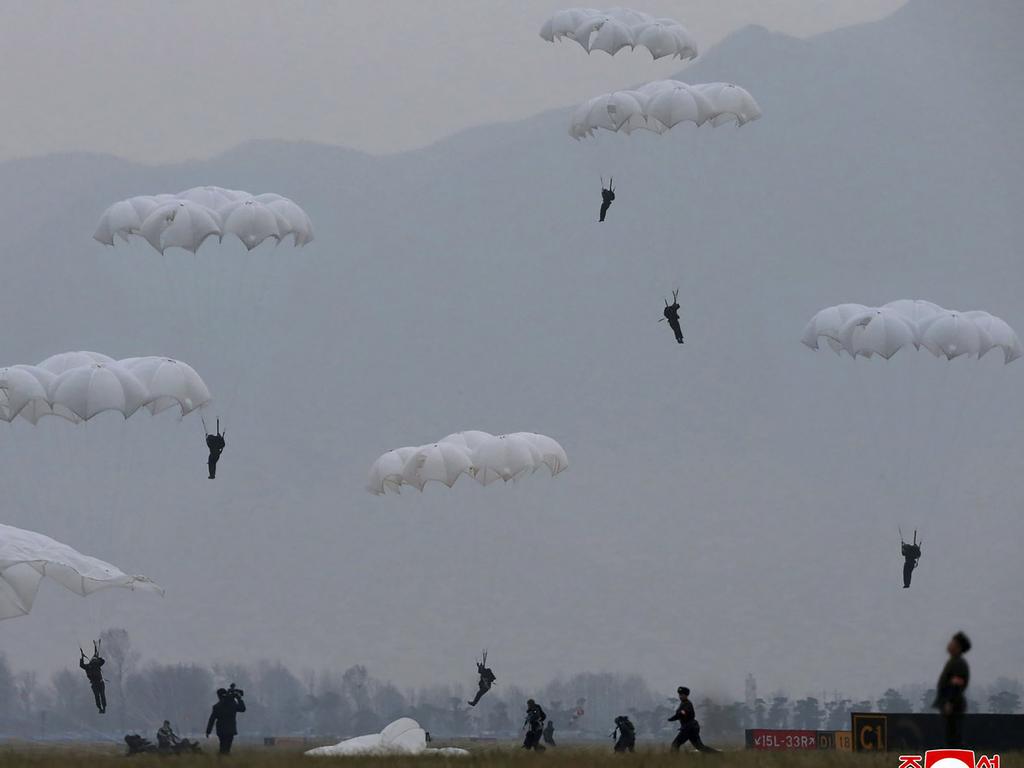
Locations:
column 481, row 455
column 80, row 385
column 404, row 736
column 863, row 331
column 187, row 219
column 661, row 105
column 617, row 28
column 27, row 557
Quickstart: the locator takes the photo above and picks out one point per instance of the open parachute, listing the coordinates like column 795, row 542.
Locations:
column 78, row 386
column 188, row 218
column 661, row 105
column 481, row 455
column 863, row 331
column 617, row 28
column 27, row 557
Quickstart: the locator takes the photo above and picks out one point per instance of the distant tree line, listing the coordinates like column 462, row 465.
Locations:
column 333, row 705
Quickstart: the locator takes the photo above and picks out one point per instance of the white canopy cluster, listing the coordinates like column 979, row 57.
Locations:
column 661, row 105
column 865, row 331
column 79, row 385
column 186, row 219
column 402, row 737
column 617, row 28
column 27, row 557
column 480, row 455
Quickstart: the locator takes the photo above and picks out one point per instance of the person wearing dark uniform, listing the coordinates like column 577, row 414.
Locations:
column 626, row 734
column 607, row 197
column 534, row 725
column 549, row 734
column 166, row 738
column 93, row 671
column 487, row 679
column 216, row 444
column 671, row 313
column 689, row 728
column 223, row 717
column 911, row 554
column 949, row 691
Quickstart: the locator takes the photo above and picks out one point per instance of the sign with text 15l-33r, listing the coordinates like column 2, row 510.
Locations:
column 949, row 758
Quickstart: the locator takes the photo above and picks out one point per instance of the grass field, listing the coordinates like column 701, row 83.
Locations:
column 31, row 756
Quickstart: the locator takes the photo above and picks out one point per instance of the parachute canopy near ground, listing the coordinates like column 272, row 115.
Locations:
column 617, row 28
column 26, row 558
column 78, row 386
column 863, row 331
column 661, row 105
column 187, row 219
column 404, row 736
column 481, row 455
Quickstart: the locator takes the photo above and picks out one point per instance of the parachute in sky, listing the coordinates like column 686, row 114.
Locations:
column 169, row 383
column 661, row 105
column 617, row 28
column 187, row 219
column 481, row 455
column 27, row 557
column 80, row 385
column 863, row 331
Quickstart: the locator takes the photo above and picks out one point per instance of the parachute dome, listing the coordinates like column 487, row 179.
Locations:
column 863, row 331
column 617, row 28
column 481, row 455
column 27, row 557
column 661, row 105
column 187, row 219
column 80, row 385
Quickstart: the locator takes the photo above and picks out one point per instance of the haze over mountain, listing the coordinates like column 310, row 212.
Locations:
column 732, row 504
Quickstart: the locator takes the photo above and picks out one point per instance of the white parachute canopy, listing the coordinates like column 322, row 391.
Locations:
column 188, row 218
column 661, row 105
column 863, row 331
column 180, row 224
column 169, row 383
column 65, row 361
column 617, row 28
column 404, row 736
column 386, row 472
column 100, row 387
column 27, row 557
column 505, row 457
column 440, row 463
column 479, row 454
column 80, row 385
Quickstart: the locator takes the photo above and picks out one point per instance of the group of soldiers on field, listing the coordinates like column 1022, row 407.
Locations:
column 950, row 701
column 540, row 729
column 223, row 716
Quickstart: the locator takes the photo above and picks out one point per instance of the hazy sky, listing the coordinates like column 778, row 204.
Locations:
column 732, row 504
column 158, row 81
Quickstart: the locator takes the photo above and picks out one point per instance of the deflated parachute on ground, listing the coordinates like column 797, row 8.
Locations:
column 80, row 385
column 402, row 737
column 863, row 331
column 661, row 105
column 27, row 557
column 187, row 219
column 481, row 455
column 617, row 28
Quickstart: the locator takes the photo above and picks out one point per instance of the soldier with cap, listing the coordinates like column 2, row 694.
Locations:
column 689, row 728
column 949, row 692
